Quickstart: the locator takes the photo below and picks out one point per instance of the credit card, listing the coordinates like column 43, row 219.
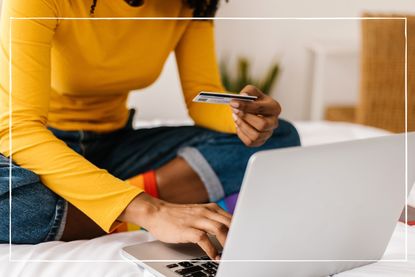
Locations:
column 221, row 98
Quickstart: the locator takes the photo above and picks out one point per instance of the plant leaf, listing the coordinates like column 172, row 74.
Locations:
column 270, row 78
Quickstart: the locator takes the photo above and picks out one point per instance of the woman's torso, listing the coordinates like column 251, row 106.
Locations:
column 95, row 63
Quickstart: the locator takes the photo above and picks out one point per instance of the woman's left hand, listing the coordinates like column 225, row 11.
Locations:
column 255, row 121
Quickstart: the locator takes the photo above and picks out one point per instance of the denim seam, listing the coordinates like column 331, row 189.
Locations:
column 62, row 225
column 81, row 144
column 59, row 221
column 209, row 178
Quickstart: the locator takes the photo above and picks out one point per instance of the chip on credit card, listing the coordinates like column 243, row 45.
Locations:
column 221, row 98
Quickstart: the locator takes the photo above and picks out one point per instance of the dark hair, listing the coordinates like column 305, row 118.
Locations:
column 92, row 9
column 201, row 8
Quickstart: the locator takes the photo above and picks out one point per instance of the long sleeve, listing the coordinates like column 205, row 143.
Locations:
column 196, row 60
column 98, row 194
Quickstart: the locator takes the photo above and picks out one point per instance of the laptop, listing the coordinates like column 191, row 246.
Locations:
column 303, row 211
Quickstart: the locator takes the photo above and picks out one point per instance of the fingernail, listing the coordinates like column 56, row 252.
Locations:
column 235, row 104
column 234, row 116
column 235, row 111
column 217, row 258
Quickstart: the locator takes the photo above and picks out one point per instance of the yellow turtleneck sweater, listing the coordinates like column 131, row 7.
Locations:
column 75, row 74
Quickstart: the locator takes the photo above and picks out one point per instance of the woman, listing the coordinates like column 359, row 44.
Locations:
column 79, row 169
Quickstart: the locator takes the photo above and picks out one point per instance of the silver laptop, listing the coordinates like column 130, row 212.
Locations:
column 304, row 211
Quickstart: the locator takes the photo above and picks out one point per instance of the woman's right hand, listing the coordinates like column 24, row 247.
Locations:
column 178, row 223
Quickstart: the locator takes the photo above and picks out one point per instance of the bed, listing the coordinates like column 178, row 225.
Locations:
column 101, row 256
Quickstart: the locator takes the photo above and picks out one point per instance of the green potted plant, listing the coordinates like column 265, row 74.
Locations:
column 243, row 76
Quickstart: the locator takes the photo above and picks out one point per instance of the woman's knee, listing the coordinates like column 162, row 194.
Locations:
column 286, row 134
column 32, row 207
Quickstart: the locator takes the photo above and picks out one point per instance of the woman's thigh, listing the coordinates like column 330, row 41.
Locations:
column 38, row 214
column 136, row 151
column 228, row 156
column 35, row 212
column 208, row 153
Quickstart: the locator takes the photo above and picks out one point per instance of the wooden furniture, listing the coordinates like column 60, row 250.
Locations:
column 382, row 87
column 382, row 91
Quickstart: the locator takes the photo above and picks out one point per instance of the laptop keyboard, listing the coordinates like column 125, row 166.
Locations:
column 199, row 267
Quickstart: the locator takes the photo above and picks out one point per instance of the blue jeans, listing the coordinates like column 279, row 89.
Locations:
column 38, row 214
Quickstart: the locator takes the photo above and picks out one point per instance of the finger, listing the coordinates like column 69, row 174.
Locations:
column 244, row 138
column 218, row 209
column 256, row 143
column 214, row 212
column 219, row 230
column 216, row 216
column 252, row 90
column 202, row 239
column 248, row 130
column 247, row 141
column 260, row 123
column 265, row 107
column 219, row 218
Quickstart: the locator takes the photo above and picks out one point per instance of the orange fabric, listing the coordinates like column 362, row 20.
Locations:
column 150, row 183
column 137, row 181
column 122, row 227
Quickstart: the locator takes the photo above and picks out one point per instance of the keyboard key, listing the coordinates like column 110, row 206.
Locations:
column 172, row 265
column 185, row 264
column 209, row 265
column 210, row 271
column 196, row 274
column 188, row 270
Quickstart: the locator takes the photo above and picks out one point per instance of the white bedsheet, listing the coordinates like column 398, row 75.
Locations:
column 108, row 247
column 101, row 256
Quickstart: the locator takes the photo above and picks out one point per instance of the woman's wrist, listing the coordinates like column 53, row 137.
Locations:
column 140, row 210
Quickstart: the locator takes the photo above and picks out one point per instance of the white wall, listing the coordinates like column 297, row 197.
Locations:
column 286, row 41
column 289, row 39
